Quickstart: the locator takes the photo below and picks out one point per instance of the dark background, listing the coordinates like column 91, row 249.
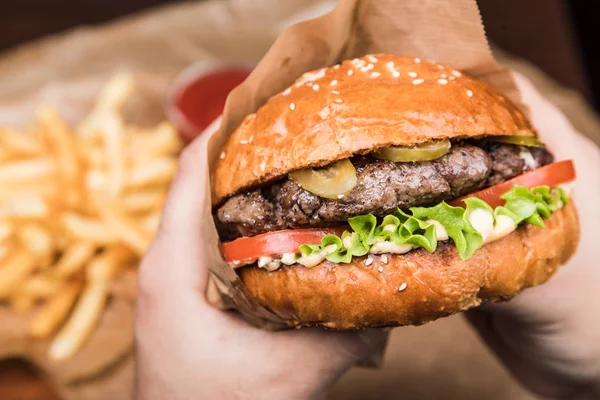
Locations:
column 557, row 35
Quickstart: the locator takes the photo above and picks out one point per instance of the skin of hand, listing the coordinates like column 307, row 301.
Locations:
column 549, row 336
column 187, row 349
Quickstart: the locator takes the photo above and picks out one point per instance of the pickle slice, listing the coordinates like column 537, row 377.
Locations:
column 422, row 152
column 332, row 181
column 529, row 141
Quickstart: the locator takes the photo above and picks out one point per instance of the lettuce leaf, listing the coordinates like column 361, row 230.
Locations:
column 456, row 223
column 415, row 228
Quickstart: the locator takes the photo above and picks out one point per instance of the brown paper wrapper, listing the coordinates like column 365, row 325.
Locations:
column 442, row 31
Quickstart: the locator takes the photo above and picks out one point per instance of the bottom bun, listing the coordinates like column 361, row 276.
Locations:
column 417, row 287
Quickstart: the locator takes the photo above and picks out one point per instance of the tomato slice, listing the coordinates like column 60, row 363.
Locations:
column 277, row 242
column 552, row 175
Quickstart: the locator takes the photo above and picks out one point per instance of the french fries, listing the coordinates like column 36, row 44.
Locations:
column 21, row 143
column 78, row 206
column 15, row 270
column 24, row 207
column 159, row 171
column 48, row 317
column 127, row 229
column 144, row 201
column 40, row 287
column 87, row 228
column 64, row 145
column 36, row 170
column 74, row 259
column 82, row 321
column 38, row 242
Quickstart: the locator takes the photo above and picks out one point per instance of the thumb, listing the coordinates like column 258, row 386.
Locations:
column 175, row 265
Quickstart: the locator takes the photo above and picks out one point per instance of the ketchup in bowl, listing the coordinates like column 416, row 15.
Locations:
column 198, row 95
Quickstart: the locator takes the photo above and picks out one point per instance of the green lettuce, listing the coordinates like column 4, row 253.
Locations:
column 415, row 228
column 456, row 223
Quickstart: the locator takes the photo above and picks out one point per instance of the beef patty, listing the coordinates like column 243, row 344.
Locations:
column 382, row 186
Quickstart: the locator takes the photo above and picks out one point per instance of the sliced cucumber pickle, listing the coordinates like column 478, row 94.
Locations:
column 422, row 152
column 332, row 181
column 529, row 141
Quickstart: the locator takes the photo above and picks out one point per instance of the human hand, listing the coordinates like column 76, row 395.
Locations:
column 188, row 349
column 549, row 336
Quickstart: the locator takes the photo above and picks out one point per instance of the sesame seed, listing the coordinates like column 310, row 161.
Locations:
column 469, row 93
column 370, row 67
column 412, row 74
column 364, row 69
column 440, row 66
column 390, row 64
column 442, row 81
column 350, row 72
column 417, row 60
column 222, row 156
column 340, row 196
column 418, row 81
column 396, row 74
column 456, row 73
column 384, row 259
column 338, row 101
column 251, row 139
column 443, row 76
column 287, row 91
column 292, row 106
column 315, row 87
column 451, row 78
column 335, row 92
column 333, row 82
column 373, row 59
column 380, row 269
column 368, row 261
column 337, row 66
column 402, row 287
column 243, row 141
column 262, row 165
column 375, row 74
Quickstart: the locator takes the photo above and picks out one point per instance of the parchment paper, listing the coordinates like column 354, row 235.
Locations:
column 68, row 70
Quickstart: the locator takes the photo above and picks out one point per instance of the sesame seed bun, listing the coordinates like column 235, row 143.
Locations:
column 354, row 108
column 416, row 287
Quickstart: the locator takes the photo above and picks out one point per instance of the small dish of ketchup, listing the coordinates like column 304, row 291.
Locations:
column 197, row 96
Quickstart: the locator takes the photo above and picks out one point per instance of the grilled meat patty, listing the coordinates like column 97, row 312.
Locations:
column 382, row 186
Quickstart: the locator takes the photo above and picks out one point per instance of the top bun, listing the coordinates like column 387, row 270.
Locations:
column 356, row 107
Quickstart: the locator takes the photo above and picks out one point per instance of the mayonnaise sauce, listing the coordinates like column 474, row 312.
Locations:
column 440, row 231
column 483, row 222
column 390, row 247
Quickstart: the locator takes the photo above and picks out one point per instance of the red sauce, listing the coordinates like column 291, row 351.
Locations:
column 202, row 100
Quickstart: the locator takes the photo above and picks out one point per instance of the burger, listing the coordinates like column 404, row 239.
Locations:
column 388, row 190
